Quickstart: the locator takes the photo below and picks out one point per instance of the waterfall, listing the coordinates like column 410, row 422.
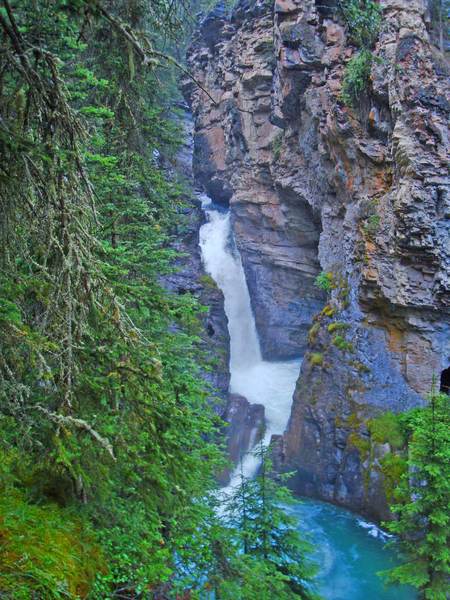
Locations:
column 262, row 382
column 223, row 262
column 349, row 551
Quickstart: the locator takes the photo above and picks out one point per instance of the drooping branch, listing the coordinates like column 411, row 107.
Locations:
column 79, row 424
column 148, row 54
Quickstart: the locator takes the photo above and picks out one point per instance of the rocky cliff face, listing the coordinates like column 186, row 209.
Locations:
column 245, row 421
column 234, row 150
column 190, row 277
column 360, row 194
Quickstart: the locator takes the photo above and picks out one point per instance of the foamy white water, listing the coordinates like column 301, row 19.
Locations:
column 349, row 550
column 261, row 382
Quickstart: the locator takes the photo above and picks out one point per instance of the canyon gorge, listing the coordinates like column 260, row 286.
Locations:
column 224, row 300
column 359, row 195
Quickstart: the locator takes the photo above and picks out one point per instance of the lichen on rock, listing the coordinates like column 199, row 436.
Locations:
column 316, row 186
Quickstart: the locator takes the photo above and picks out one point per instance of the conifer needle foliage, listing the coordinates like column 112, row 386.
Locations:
column 267, row 534
column 104, row 423
column 106, row 459
column 422, row 502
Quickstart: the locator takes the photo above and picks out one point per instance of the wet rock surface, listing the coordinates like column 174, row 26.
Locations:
column 314, row 185
column 190, row 277
column 245, row 429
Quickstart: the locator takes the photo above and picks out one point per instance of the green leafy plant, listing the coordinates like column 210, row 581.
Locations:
column 372, row 225
column 276, row 146
column 363, row 19
column 356, row 77
column 324, row 281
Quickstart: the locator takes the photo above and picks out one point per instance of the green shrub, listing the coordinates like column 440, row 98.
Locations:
column 324, row 281
column 363, row 18
column 372, row 225
column 356, row 77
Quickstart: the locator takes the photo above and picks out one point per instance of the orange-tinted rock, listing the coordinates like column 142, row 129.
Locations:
column 362, row 193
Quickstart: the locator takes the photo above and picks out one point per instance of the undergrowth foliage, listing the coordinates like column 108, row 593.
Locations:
column 363, row 21
column 104, row 422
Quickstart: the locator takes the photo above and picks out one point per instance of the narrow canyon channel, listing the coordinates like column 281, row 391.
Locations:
column 349, row 550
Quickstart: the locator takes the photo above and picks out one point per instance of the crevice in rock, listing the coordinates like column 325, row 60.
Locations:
column 375, row 176
column 445, row 381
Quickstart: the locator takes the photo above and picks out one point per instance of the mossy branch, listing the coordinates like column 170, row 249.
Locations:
column 147, row 52
column 78, row 424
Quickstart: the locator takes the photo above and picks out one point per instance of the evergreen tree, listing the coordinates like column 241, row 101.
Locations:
column 106, row 461
column 422, row 506
column 104, row 419
column 266, row 532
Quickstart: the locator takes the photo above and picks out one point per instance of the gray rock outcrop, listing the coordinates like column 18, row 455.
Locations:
column 360, row 194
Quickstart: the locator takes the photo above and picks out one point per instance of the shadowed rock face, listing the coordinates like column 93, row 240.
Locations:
column 190, row 277
column 316, row 186
column 245, row 429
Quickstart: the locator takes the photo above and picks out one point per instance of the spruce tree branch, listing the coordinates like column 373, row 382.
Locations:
column 79, row 424
column 12, row 20
column 147, row 54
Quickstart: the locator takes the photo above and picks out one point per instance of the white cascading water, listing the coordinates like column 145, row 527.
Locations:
column 261, row 382
column 349, row 559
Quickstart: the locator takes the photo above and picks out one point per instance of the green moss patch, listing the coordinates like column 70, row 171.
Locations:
column 362, row 444
column 207, row 281
column 359, row 366
column 340, row 342
column 337, row 326
column 313, row 332
column 47, row 552
column 392, row 468
column 386, row 429
column 328, row 310
column 316, row 359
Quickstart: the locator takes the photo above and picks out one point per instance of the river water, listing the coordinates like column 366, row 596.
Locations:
column 349, row 550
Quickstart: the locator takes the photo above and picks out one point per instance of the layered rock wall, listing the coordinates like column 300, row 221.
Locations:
column 234, row 150
column 189, row 276
column 358, row 193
